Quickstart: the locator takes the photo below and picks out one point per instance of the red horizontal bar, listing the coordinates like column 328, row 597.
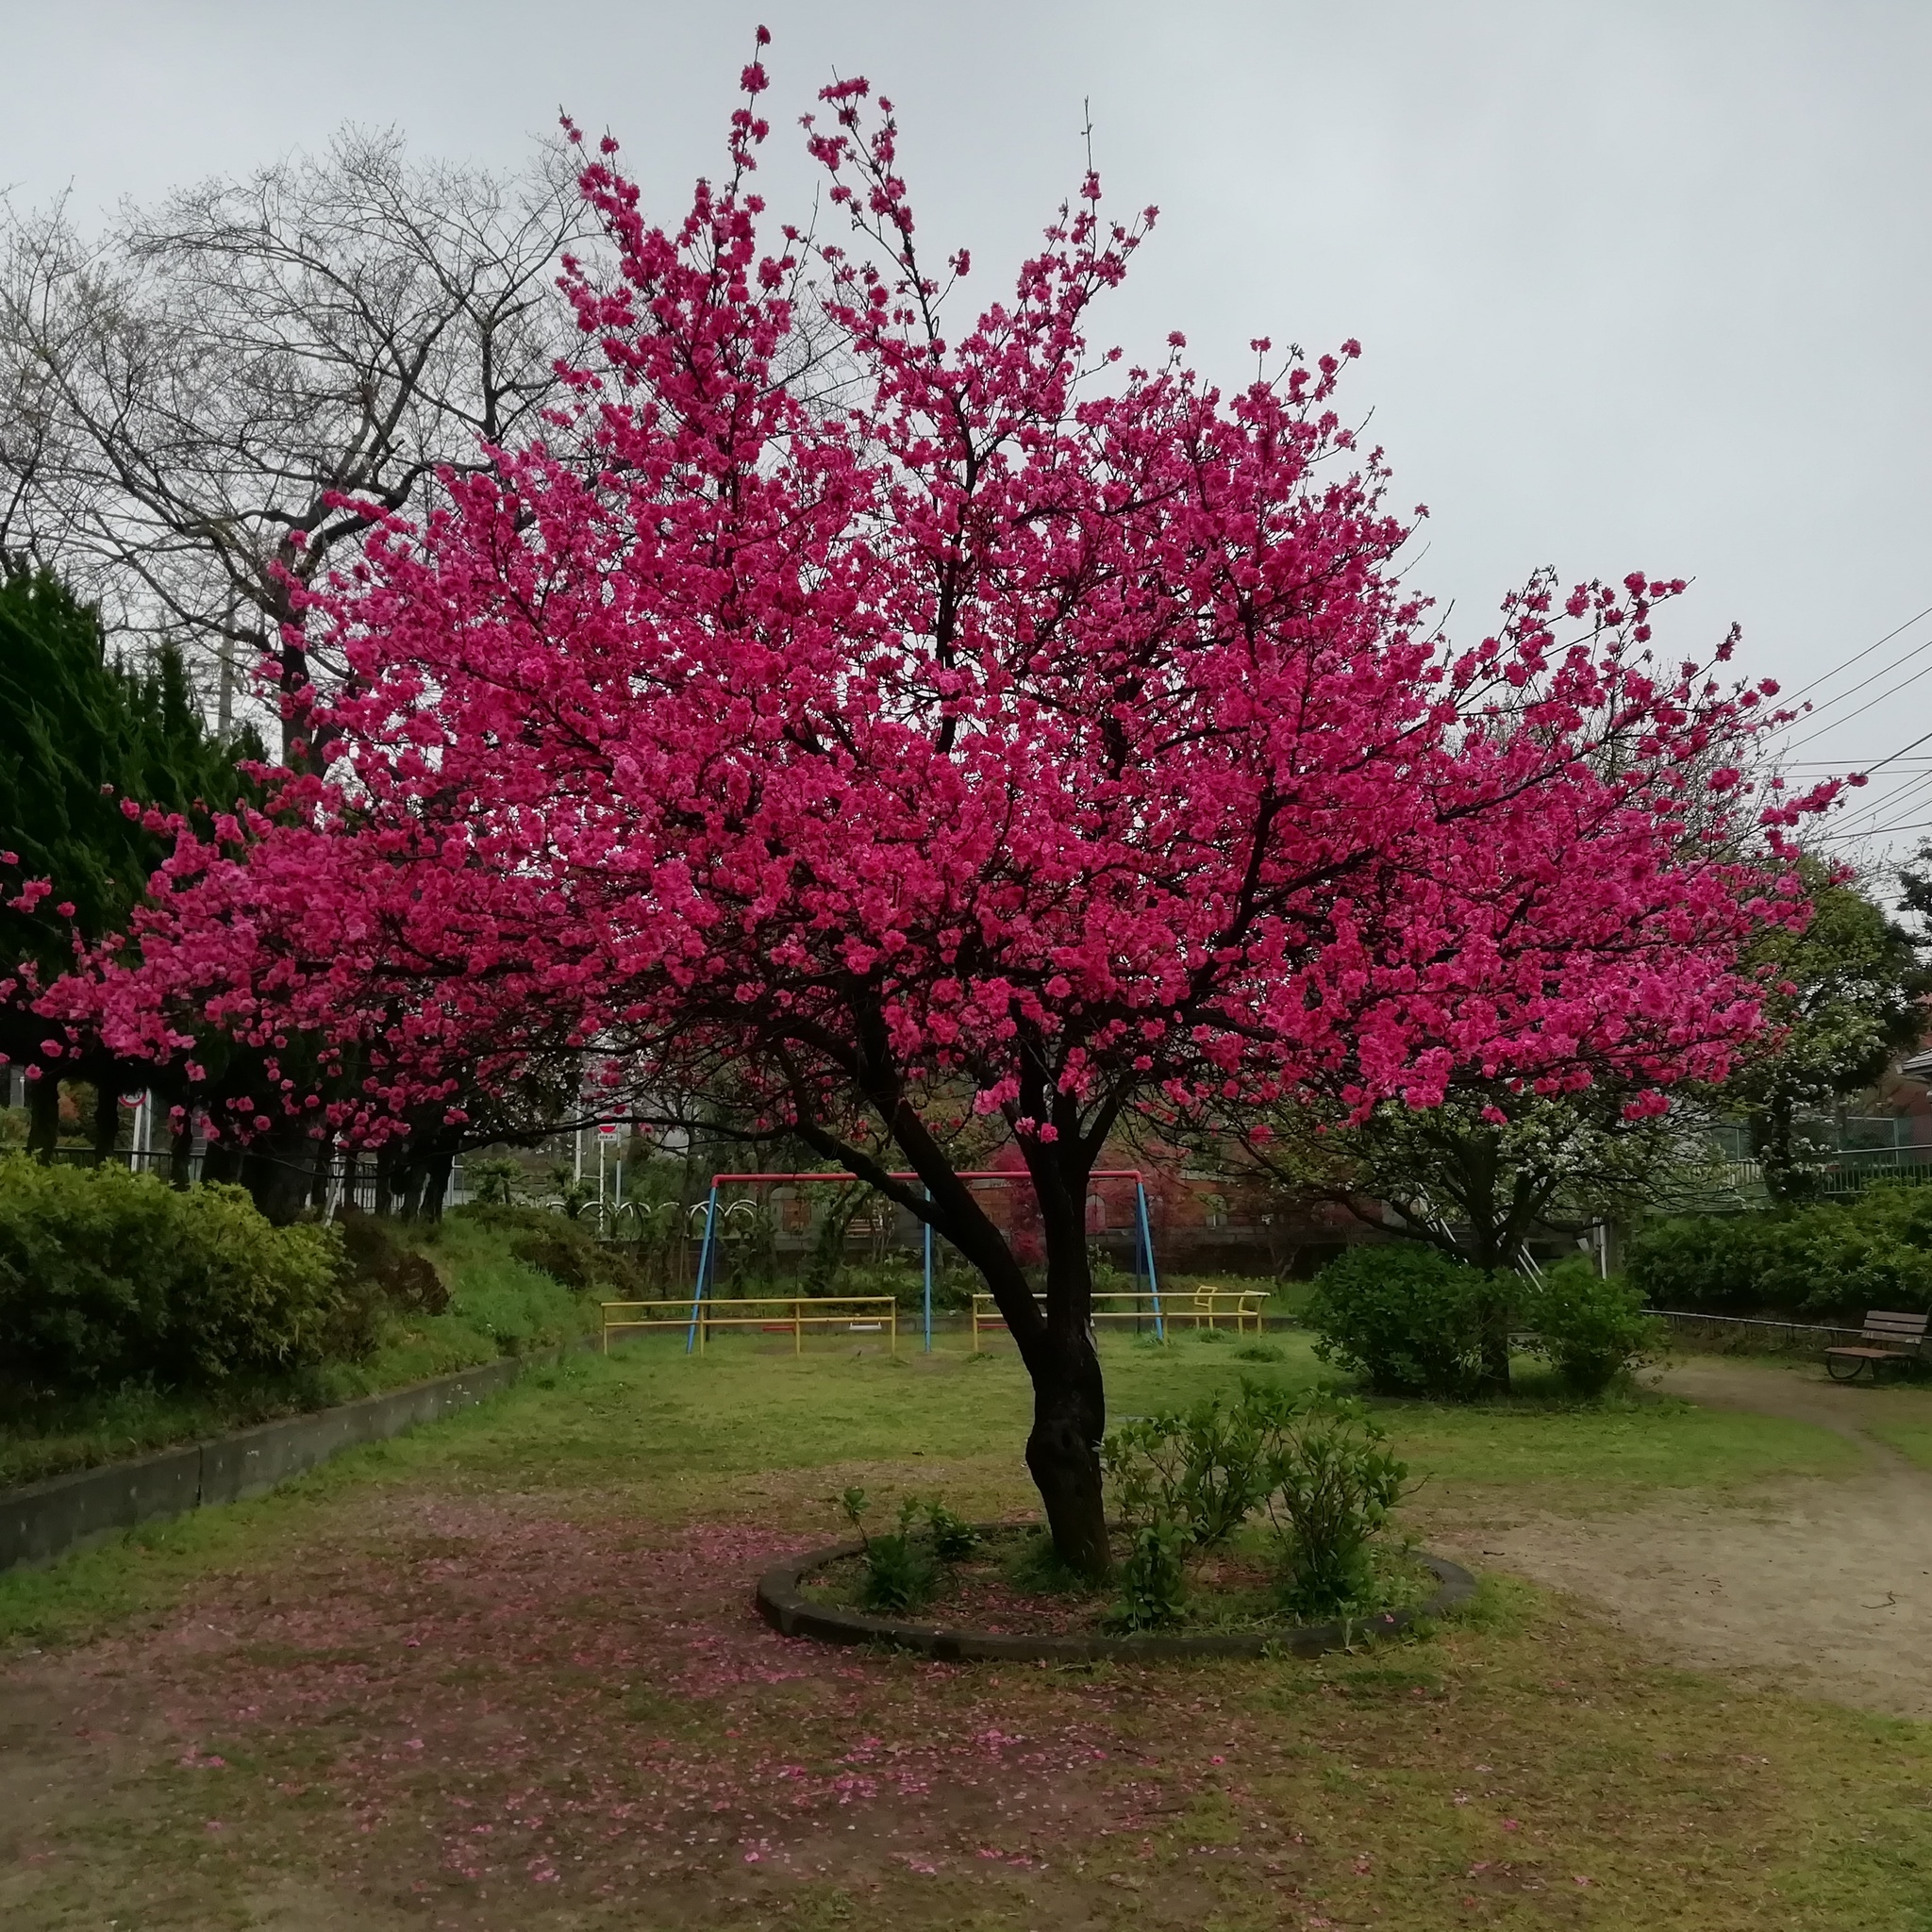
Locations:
column 977, row 1174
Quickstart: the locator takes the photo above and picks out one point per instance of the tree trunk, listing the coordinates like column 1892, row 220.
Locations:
column 181, row 1153
column 1490, row 1237
column 106, row 1118
column 276, row 1169
column 436, row 1173
column 1069, row 1399
column 1069, row 1396
column 321, row 1173
column 1495, row 1379
column 1064, row 1450
column 44, row 1117
column 221, row 1161
column 405, row 1182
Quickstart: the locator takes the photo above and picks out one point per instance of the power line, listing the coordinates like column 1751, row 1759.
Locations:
column 1909, row 797
column 1879, row 831
column 1888, row 801
column 1892, row 757
column 1884, row 671
column 1839, row 669
column 1883, row 697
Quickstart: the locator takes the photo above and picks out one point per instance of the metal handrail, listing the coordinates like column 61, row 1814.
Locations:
column 826, row 1311
column 1207, row 1304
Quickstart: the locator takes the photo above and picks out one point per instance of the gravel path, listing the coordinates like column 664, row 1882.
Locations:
column 1823, row 1587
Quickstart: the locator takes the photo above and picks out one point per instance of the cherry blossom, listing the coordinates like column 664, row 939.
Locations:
column 1002, row 729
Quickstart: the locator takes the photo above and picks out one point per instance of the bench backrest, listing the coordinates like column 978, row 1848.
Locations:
column 1892, row 1330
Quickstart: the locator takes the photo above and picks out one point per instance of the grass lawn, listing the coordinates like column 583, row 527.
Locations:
column 504, row 1674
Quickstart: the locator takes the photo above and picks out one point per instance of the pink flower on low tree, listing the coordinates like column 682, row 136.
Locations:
column 1001, row 730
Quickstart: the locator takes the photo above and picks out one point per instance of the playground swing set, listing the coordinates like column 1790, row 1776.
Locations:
column 704, row 1310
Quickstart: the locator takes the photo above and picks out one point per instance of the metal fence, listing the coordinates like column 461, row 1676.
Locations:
column 1839, row 1175
column 1757, row 1334
column 348, row 1180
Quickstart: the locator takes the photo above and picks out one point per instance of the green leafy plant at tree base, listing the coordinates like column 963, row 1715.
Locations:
column 1333, row 1483
column 902, row 1570
column 1183, row 1484
column 1203, row 1470
column 1153, row 1578
column 953, row 1541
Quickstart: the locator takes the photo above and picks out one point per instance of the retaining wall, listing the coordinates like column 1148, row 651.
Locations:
column 49, row 1519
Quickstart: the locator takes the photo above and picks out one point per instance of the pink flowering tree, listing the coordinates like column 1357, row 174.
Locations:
column 1024, row 737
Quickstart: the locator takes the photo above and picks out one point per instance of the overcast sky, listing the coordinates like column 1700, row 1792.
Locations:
column 1637, row 284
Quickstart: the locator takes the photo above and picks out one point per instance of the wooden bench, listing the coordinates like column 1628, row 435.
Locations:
column 1888, row 1338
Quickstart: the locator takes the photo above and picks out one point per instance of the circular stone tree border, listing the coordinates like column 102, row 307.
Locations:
column 783, row 1604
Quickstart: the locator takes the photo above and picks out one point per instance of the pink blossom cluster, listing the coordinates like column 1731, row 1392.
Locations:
column 961, row 713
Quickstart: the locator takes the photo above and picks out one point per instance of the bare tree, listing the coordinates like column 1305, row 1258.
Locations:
column 181, row 398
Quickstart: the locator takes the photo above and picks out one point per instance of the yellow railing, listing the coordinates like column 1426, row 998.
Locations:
column 1209, row 1306
column 1121, row 1307
column 1205, row 1307
column 777, row 1314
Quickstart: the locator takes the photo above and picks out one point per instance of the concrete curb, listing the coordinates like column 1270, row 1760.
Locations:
column 783, row 1604
column 49, row 1520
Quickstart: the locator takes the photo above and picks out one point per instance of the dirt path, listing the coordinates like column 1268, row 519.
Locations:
column 1820, row 1586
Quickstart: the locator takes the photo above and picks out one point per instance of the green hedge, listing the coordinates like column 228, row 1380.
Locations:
column 1833, row 1258
column 108, row 1277
column 1411, row 1321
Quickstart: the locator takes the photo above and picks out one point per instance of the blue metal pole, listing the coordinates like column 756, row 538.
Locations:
column 928, row 1284
column 690, row 1340
column 1147, row 1249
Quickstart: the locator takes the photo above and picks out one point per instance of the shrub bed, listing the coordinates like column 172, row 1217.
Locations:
column 1406, row 1318
column 1006, row 1587
column 1832, row 1260
column 1411, row 1321
column 133, row 1317
column 108, row 1276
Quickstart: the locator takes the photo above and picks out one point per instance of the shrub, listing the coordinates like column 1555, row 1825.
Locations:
column 567, row 1249
column 1320, row 1467
column 493, row 1180
column 409, row 1280
column 1153, row 1578
column 559, row 1256
column 1203, row 1472
column 1332, row 1485
column 901, row 1570
column 1707, row 1261
column 1831, row 1258
column 1593, row 1330
column 1405, row 1317
column 108, row 1276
